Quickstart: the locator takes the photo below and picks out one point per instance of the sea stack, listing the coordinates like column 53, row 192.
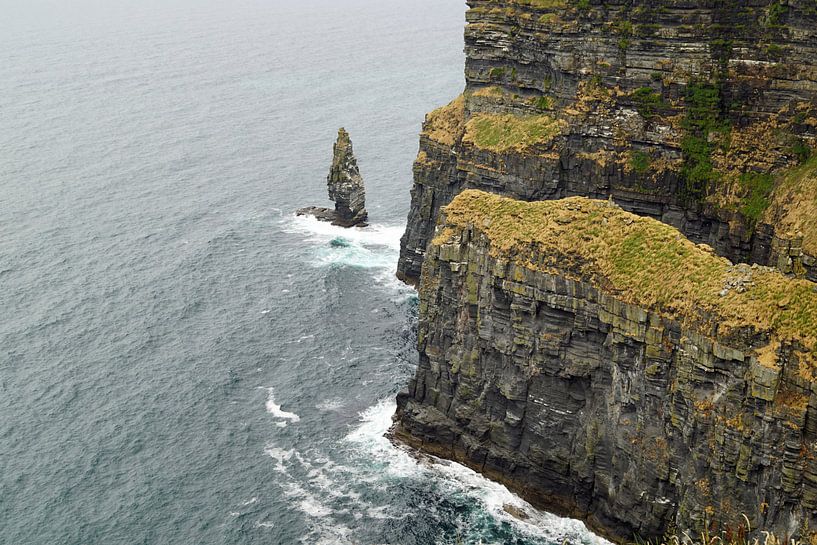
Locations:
column 345, row 186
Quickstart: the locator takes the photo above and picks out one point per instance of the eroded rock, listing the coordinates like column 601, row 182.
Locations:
column 345, row 186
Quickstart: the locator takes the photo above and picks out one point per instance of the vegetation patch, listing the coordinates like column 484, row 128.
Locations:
column 542, row 4
column 648, row 102
column 702, row 121
column 544, row 102
column 757, row 187
column 639, row 162
column 504, row 132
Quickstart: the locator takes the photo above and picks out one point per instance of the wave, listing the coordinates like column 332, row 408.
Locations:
column 385, row 236
column 330, row 405
column 376, row 247
column 279, row 455
column 454, row 478
column 275, row 409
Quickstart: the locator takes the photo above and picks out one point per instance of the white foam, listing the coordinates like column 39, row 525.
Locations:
column 280, row 455
column 301, row 339
column 493, row 496
column 314, row 508
column 370, row 435
column 330, row 405
column 375, row 247
column 307, row 503
column 320, row 231
column 275, row 409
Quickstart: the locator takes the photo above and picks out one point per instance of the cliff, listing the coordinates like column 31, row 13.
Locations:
column 605, row 367
column 699, row 114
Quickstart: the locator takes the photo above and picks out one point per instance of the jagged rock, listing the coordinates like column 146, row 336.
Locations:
column 592, row 366
column 345, row 188
column 622, row 75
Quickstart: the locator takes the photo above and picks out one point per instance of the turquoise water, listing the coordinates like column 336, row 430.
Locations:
column 181, row 359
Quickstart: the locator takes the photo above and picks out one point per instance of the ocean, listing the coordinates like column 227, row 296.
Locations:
column 182, row 360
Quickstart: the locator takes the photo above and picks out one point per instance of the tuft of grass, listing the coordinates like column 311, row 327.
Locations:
column 505, row 132
column 544, row 102
column 740, row 535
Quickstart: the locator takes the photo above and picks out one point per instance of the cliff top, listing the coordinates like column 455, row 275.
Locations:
column 642, row 262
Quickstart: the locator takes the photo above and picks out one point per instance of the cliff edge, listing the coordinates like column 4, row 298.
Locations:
column 607, row 368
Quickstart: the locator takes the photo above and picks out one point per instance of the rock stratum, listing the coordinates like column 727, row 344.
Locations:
column 605, row 367
column 699, row 114
column 345, row 186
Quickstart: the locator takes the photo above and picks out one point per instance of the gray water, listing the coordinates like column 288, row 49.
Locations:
column 181, row 359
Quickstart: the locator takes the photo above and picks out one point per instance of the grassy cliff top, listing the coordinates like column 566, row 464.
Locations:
column 447, row 124
column 641, row 261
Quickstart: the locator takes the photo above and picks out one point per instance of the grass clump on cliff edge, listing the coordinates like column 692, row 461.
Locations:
column 505, row 132
column 794, row 204
column 542, row 4
column 447, row 124
column 642, row 261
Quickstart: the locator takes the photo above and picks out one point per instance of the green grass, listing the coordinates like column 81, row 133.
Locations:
column 648, row 101
column 640, row 162
column 758, row 187
column 702, row 119
column 502, row 133
column 544, row 102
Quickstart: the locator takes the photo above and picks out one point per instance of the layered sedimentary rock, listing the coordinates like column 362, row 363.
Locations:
column 345, row 186
column 605, row 367
column 699, row 114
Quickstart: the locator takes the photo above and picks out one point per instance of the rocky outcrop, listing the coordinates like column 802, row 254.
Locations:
column 699, row 114
column 605, row 367
column 345, row 188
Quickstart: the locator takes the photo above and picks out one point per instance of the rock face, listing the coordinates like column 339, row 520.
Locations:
column 605, row 367
column 345, row 188
column 699, row 114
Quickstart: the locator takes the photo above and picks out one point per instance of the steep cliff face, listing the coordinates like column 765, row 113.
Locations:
column 605, row 367
column 699, row 114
